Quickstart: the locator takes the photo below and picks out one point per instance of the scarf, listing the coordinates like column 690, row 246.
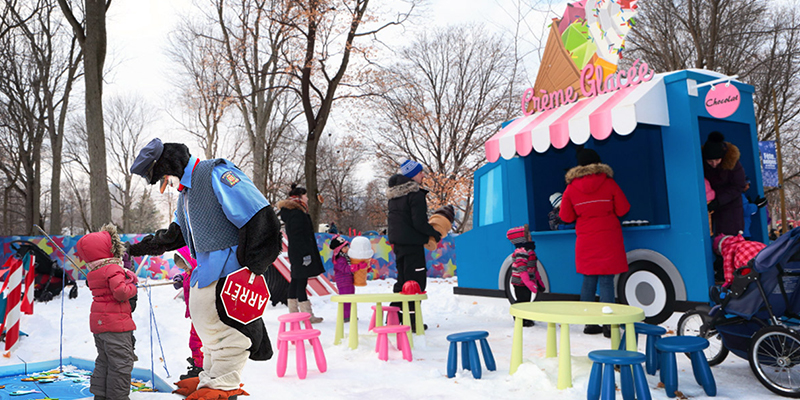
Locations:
column 299, row 200
column 93, row 265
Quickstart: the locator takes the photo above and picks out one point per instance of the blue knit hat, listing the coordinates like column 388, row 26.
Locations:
column 410, row 168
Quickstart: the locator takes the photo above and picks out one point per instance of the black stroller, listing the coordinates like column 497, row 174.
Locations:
column 48, row 275
column 756, row 317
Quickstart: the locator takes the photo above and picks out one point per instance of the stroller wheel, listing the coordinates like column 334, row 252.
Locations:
column 693, row 323
column 774, row 357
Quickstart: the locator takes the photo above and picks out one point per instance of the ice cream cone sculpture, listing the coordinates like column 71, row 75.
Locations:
column 590, row 32
column 360, row 270
column 360, row 256
column 442, row 221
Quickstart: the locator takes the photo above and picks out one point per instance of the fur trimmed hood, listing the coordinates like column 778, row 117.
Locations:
column 591, row 169
column 732, row 155
column 400, row 185
column 100, row 245
column 292, row 204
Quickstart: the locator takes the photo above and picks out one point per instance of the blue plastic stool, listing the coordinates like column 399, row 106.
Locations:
column 694, row 345
column 601, row 380
column 469, row 353
column 653, row 333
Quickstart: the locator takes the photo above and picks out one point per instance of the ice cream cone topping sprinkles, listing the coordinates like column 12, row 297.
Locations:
column 593, row 31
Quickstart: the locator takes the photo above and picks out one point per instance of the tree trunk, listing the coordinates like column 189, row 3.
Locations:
column 94, row 59
column 311, row 178
column 56, row 144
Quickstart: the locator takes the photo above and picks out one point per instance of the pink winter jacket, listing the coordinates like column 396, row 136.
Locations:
column 111, row 284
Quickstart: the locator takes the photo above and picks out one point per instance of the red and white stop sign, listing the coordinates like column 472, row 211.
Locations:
column 244, row 295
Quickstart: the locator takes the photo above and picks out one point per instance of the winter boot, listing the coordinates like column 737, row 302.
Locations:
column 216, row 394
column 193, row 370
column 292, row 305
column 592, row 329
column 187, row 386
column 305, row 306
column 607, row 331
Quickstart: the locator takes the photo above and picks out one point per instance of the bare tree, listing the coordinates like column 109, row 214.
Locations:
column 444, row 97
column 757, row 40
column 327, row 31
column 338, row 163
column 245, row 43
column 91, row 35
column 39, row 67
column 126, row 119
column 203, row 83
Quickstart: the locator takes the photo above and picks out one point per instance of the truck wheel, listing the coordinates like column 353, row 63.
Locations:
column 648, row 287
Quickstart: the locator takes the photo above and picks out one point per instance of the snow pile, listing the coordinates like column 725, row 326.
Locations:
column 358, row 373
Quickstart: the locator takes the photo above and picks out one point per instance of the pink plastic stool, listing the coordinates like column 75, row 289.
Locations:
column 297, row 337
column 382, row 345
column 294, row 320
column 393, row 316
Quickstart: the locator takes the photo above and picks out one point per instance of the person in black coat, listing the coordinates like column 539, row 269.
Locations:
column 408, row 225
column 303, row 252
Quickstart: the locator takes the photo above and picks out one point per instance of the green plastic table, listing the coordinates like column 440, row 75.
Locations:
column 378, row 299
column 566, row 313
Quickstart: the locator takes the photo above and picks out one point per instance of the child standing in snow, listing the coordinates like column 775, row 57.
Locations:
column 524, row 276
column 184, row 260
column 110, row 319
column 342, row 273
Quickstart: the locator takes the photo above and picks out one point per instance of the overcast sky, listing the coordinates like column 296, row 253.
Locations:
column 137, row 39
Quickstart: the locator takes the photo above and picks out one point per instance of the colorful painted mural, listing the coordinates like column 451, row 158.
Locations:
column 161, row 267
column 441, row 262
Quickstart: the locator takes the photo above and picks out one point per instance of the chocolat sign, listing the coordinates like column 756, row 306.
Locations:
column 722, row 100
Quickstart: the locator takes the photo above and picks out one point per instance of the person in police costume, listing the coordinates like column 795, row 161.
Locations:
column 227, row 224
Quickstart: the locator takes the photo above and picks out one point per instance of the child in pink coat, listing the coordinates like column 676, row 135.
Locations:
column 184, row 260
column 110, row 318
column 342, row 273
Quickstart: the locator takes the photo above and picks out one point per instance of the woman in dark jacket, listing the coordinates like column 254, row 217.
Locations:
column 303, row 252
column 726, row 175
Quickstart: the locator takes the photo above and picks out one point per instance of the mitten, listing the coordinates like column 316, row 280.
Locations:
column 713, row 204
column 127, row 262
column 760, row 201
column 178, row 281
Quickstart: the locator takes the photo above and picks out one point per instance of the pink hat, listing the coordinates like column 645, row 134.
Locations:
column 185, row 254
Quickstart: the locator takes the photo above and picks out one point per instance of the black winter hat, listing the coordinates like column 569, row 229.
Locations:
column 714, row 148
column 588, row 156
column 447, row 212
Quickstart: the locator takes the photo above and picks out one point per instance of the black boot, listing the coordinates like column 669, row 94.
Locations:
column 528, row 323
column 592, row 329
column 607, row 331
column 193, row 370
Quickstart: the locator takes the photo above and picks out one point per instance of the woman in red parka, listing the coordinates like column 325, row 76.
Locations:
column 110, row 319
column 594, row 201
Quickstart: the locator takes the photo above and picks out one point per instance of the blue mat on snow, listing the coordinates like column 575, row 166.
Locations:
column 11, row 376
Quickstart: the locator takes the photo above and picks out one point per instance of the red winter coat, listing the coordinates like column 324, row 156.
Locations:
column 111, row 284
column 595, row 202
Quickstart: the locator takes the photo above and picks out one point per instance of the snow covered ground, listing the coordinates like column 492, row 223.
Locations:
column 359, row 373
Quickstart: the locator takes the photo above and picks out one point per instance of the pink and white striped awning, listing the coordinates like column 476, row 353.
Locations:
column 619, row 111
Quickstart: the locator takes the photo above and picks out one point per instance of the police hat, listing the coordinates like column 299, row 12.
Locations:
column 146, row 160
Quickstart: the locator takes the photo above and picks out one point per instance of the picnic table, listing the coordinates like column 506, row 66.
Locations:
column 378, row 299
column 566, row 313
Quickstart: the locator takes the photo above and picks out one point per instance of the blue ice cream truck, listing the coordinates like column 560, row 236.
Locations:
column 651, row 134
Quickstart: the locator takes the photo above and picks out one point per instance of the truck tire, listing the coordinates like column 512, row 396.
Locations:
column 648, row 287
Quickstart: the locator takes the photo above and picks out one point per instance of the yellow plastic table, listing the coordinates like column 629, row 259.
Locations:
column 378, row 299
column 566, row 313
